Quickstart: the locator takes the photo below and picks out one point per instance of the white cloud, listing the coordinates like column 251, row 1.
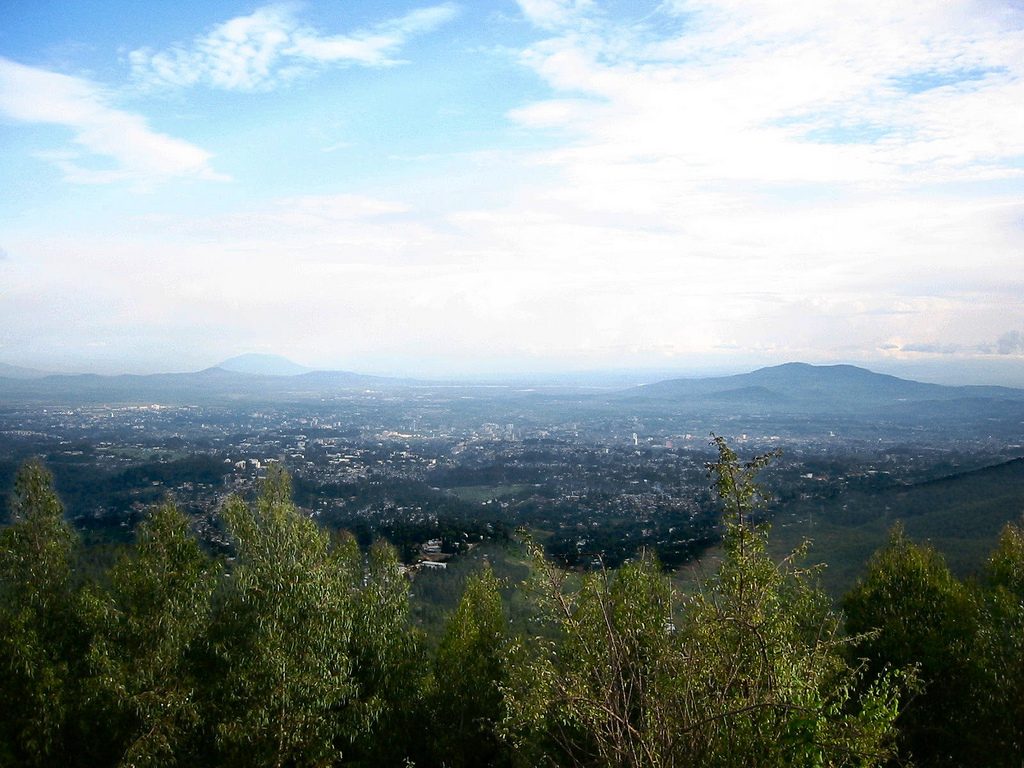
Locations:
column 1011, row 343
column 750, row 180
column 552, row 14
column 270, row 46
column 136, row 152
column 875, row 93
column 816, row 175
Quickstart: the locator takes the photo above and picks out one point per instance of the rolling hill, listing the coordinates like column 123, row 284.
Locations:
column 961, row 515
column 818, row 385
column 208, row 384
column 263, row 365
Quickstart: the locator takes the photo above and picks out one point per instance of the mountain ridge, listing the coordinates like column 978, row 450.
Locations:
column 795, row 380
column 9, row 371
column 787, row 388
column 261, row 364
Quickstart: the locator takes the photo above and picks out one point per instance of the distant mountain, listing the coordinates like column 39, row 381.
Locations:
column 209, row 385
column 791, row 390
column 263, row 365
column 801, row 386
column 751, row 394
column 17, row 372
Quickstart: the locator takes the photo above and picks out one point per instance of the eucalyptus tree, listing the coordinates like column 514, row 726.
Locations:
column 150, row 622
column 1002, row 640
column 966, row 639
column 749, row 669
column 282, row 635
column 912, row 611
column 601, row 685
column 469, row 670
column 40, row 637
column 767, row 657
column 382, row 725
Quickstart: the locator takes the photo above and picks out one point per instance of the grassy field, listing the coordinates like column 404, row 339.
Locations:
column 435, row 594
column 478, row 494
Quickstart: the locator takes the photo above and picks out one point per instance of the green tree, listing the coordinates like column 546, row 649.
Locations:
column 39, row 633
column 911, row 611
column 749, row 670
column 1000, row 699
column 469, row 671
column 149, row 623
column 613, row 676
column 388, row 659
column 1005, row 567
column 283, row 636
column 771, row 684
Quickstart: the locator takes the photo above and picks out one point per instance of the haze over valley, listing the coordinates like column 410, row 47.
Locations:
column 579, row 383
column 604, row 472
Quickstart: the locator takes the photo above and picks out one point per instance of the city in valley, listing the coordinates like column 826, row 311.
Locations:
column 596, row 474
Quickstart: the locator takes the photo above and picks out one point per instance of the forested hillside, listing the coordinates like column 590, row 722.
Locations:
column 299, row 648
column 960, row 514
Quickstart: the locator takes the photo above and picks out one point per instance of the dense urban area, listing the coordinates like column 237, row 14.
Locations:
column 436, row 470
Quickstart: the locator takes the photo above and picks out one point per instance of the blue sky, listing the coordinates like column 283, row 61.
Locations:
column 476, row 187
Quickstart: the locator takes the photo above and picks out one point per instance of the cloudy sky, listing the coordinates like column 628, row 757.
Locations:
column 397, row 187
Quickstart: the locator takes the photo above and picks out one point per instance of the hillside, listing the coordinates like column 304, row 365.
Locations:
column 961, row 515
column 263, row 365
column 18, row 372
column 210, row 384
column 801, row 384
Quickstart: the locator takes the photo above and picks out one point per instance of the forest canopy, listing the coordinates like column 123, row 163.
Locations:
column 298, row 648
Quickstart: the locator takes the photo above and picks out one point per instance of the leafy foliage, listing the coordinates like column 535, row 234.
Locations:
column 148, row 625
column 387, row 655
column 281, row 635
column 918, row 613
column 964, row 639
column 38, row 632
column 1002, row 648
column 602, row 690
column 300, row 650
column 750, row 670
column 774, row 686
column 469, row 669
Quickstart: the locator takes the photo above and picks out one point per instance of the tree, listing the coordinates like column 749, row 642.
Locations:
column 388, row 659
column 469, row 672
column 1000, row 699
column 603, row 689
column 1005, row 567
column 749, row 670
column 149, row 624
column 39, row 633
column 909, row 610
column 767, row 658
column 282, row 636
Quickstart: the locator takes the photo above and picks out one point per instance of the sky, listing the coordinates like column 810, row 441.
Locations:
column 542, row 185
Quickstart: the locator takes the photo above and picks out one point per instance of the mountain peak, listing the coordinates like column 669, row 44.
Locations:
column 837, row 386
column 258, row 364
